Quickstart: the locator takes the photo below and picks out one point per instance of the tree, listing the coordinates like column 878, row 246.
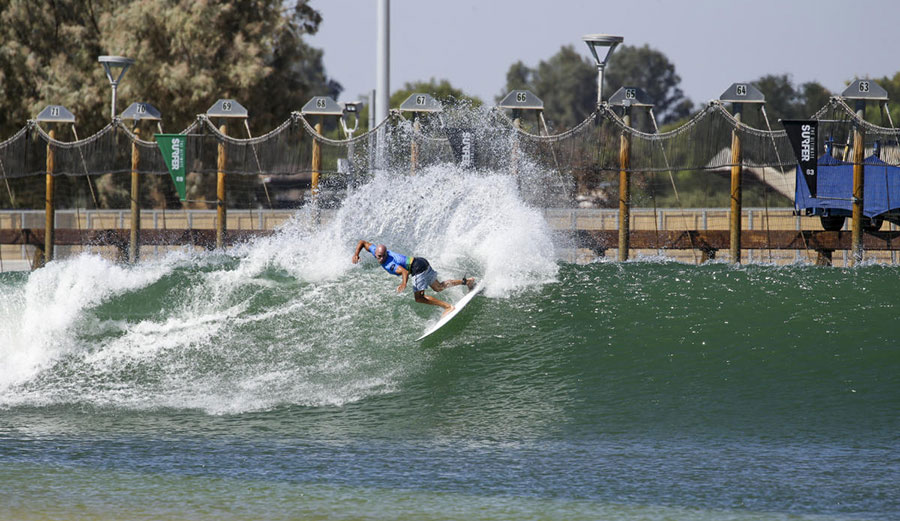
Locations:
column 652, row 71
column 187, row 54
column 566, row 83
column 892, row 86
column 442, row 90
column 784, row 101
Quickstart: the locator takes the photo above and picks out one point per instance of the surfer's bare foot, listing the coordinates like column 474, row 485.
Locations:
column 448, row 310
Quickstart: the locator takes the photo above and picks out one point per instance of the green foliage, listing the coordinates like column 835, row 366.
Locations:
column 566, row 82
column 784, row 101
column 652, row 71
column 442, row 90
column 703, row 190
column 187, row 55
column 874, row 113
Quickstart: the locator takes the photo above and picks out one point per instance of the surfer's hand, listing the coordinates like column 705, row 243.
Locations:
column 401, row 287
column 355, row 259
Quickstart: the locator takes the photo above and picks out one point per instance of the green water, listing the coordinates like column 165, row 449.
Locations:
column 280, row 381
column 636, row 391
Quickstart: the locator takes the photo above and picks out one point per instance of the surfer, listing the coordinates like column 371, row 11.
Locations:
column 405, row 266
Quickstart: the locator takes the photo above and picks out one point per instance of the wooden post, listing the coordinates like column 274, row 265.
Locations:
column 624, row 189
column 514, row 153
column 220, row 191
column 316, row 159
column 734, row 223
column 856, row 251
column 414, row 146
column 49, row 206
column 134, row 245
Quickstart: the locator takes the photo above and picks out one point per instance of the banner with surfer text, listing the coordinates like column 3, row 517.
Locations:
column 173, row 147
column 802, row 134
column 462, row 141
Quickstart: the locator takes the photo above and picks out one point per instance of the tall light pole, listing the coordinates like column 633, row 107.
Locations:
column 382, row 76
column 110, row 63
column 383, row 61
column 596, row 43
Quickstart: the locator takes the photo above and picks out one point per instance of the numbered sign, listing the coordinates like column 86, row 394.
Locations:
column 56, row 114
column 322, row 106
column 742, row 93
column 421, row 102
column 521, row 99
column 630, row 97
column 141, row 111
column 866, row 90
column 227, row 108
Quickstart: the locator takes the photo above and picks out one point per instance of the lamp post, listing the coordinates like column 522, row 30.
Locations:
column 596, row 43
column 109, row 64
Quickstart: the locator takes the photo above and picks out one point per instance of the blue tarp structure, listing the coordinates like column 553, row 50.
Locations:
column 835, row 179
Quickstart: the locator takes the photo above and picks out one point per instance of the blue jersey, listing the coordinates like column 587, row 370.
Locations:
column 392, row 260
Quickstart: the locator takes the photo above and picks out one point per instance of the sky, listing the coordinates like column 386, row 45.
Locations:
column 712, row 43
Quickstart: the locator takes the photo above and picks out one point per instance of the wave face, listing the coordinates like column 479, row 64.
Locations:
column 639, row 390
column 283, row 320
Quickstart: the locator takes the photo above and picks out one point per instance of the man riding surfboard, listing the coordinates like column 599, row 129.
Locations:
column 405, row 266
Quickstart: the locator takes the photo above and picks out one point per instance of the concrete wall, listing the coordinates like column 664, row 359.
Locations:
column 15, row 257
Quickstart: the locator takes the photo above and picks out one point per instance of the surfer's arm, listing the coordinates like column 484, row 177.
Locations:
column 404, row 274
column 359, row 248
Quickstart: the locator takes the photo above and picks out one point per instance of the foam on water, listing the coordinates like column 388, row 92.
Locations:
column 459, row 221
column 37, row 318
column 287, row 319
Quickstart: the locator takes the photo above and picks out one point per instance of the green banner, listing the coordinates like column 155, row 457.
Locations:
column 173, row 147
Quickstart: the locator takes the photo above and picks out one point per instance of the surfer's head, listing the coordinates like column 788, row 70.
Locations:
column 381, row 253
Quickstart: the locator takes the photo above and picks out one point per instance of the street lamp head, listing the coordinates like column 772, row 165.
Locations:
column 596, row 43
column 115, row 62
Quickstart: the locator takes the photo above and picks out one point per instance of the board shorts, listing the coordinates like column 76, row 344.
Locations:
column 422, row 273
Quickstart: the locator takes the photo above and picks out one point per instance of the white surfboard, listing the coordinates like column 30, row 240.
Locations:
column 457, row 308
